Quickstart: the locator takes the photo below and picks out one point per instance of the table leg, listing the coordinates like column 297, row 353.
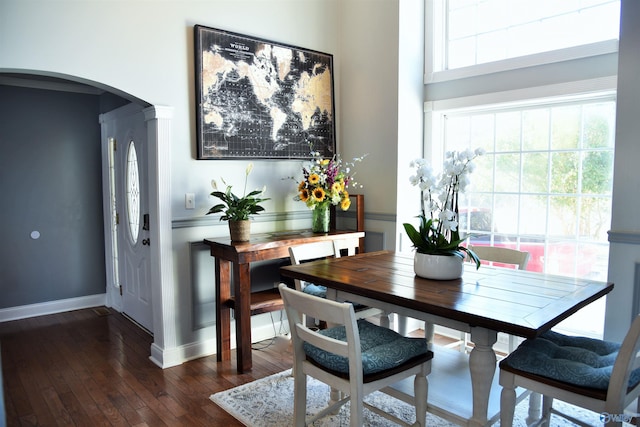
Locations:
column 242, row 293
column 482, row 364
column 223, row 312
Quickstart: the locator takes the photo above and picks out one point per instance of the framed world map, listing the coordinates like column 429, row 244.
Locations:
column 260, row 99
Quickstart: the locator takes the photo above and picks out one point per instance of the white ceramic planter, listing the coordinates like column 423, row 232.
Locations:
column 438, row 267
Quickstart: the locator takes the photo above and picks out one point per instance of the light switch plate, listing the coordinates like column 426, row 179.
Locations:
column 190, row 201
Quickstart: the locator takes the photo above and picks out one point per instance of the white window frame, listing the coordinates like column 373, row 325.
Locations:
column 434, row 52
column 576, row 89
column 581, row 323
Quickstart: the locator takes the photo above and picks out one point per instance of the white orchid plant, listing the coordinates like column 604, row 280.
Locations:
column 438, row 233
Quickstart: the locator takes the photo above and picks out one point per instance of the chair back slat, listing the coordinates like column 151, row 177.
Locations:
column 628, row 358
column 502, row 255
column 309, row 252
column 325, row 343
column 348, row 245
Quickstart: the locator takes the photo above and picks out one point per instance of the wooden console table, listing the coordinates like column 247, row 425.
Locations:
column 262, row 247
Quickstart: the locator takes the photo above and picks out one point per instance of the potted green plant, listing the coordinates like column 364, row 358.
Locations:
column 438, row 245
column 237, row 210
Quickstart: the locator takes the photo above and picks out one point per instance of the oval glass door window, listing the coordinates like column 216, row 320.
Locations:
column 133, row 192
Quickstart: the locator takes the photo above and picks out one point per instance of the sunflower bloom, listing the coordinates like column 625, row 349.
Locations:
column 314, row 178
column 304, row 195
column 318, row 194
column 302, row 185
column 345, row 203
column 336, row 187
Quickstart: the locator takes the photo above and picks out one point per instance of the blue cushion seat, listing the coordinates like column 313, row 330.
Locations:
column 321, row 291
column 579, row 361
column 382, row 349
column 315, row 290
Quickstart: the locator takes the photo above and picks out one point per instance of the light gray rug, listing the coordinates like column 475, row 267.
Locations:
column 269, row 403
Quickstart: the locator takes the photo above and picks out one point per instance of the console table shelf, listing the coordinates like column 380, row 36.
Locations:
column 262, row 301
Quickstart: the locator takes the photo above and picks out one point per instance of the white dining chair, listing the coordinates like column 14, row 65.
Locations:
column 598, row 375
column 318, row 250
column 354, row 357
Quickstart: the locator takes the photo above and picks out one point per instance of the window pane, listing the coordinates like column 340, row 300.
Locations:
column 482, row 131
column 458, row 133
column 533, row 217
column 563, row 214
column 481, row 31
column 565, row 127
column 595, row 218
column 507, row 173
column 506, row 213
column 535, row 172
column 133, row 192
column 482, row 179
column 550, row 194
column 535, row 129
column 598, row 125
column 508, row 131
column 597, row 172
column 564, row 172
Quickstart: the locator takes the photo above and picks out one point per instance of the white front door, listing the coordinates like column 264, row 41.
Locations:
column 125, row 129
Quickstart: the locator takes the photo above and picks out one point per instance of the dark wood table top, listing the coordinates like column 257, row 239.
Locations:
column 515, row 302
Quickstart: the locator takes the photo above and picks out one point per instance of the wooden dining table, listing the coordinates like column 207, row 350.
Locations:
column 483, row 302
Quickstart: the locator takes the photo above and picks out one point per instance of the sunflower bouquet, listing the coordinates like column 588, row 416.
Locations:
column 325, row 182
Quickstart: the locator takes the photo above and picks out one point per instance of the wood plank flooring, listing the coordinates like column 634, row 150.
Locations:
column 91, row 368
column 85, row 368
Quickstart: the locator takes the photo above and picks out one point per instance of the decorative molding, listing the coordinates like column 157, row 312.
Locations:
column 51, row 307
column 214, row 220
column 627, row 237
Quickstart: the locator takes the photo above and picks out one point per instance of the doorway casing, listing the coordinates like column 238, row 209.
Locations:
column 158, row 120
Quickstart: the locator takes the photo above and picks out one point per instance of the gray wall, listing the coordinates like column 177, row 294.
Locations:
column 50, row 181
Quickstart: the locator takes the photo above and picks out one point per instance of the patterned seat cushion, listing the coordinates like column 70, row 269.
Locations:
column 315, row 290
column 381, row 348
column 580, row 361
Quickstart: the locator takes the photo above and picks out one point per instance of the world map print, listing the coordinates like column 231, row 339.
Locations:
column 261, row 99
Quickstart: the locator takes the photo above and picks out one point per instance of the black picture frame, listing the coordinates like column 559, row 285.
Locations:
column 256, row 98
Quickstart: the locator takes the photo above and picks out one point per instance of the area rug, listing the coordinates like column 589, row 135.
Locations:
column 268, row 402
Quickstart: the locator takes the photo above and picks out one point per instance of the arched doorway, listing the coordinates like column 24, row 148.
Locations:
column 158, row 120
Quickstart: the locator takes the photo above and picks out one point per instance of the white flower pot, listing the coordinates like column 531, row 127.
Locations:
column 438, row 267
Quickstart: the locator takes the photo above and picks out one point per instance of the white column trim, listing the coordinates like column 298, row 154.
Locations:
column 159, row 120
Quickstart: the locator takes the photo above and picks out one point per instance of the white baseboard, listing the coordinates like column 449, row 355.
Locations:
column 51, row 307
column 168, row 357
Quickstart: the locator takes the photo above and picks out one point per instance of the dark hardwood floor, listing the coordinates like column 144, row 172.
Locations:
column 88, row 368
